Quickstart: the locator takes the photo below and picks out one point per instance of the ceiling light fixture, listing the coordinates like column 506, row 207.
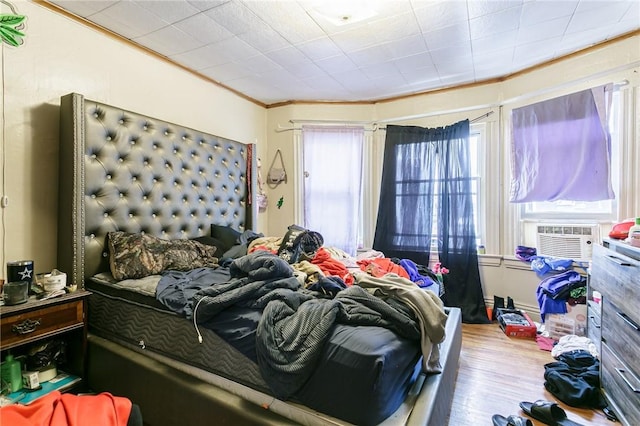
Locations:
column 341, row 13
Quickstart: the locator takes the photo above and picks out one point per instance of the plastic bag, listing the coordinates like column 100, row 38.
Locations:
column 262, row 201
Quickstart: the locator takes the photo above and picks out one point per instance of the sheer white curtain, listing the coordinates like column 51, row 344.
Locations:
column 332, row 160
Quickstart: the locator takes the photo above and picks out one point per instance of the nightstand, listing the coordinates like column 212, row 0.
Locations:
column 36, row 321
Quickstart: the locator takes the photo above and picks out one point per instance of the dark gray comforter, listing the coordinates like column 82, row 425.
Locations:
column 293, row 330
column 295, row 322
column 255, row 279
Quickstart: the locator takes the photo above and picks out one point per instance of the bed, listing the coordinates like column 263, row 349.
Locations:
column 124, row 173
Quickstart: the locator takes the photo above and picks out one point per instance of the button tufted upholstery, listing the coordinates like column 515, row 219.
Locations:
column 123, row 171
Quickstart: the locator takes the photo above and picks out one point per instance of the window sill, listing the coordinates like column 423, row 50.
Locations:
column 493, row 260
column 513, row 262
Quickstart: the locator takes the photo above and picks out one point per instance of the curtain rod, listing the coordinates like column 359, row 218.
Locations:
column 294, row 121
column 336, row 123
column 475, row 107
column 434, row 113
column 347, row 123
column 569, row 84
column 485, row 115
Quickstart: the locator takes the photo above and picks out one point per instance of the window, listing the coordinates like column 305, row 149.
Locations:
column 587, row 210
column 477, row 147
column 332, row 188
column 427, row 193
column 338, row 182
column 478, row 190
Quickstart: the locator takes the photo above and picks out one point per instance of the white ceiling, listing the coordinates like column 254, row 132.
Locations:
column 284, row 50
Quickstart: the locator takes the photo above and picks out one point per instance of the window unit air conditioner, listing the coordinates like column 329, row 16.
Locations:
column 566, row 241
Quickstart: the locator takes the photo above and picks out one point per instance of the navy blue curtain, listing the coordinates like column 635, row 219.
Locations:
column 426, row 176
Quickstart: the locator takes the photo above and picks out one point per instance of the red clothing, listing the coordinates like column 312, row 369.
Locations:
column 381, row 266
column 261, row 247
column 56, row 409
column 331, row 267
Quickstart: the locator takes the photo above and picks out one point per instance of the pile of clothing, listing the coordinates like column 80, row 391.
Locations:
column 560, row 283
column 575, row 377
column 555, row 291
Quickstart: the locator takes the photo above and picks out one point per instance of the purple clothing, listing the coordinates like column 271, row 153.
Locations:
column 525, row 253
column 414, row 275
column 551, row 286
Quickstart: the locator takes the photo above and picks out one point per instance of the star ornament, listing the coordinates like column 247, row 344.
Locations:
column 25, row 274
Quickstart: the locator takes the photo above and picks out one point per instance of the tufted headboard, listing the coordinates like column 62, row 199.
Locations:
column 124, row 171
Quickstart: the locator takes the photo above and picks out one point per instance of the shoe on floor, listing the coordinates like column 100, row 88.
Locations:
column 499, row 420
column 498, row 302
column 547, row 412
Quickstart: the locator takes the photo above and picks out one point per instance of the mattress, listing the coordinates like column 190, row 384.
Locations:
column 138, row 319
column 370, row 367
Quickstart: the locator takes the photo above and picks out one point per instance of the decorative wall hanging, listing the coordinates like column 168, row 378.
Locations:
column 10, row 26
column 275, row 175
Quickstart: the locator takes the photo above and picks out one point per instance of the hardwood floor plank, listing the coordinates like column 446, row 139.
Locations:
column 497, row 372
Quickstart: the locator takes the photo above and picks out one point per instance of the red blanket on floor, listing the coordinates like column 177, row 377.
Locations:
column 56, row 409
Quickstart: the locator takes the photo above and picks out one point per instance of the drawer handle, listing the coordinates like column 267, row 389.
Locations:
column 25, row 327
column 619, row 261
column 622, row 373
column 593, row 318
column 628, row 320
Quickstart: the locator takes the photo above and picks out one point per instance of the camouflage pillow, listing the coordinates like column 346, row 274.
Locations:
column 141, row 255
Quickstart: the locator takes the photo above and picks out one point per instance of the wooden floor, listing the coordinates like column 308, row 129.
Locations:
column 496, row 372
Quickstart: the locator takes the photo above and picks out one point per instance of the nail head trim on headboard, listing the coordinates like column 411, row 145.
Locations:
column 124, row 171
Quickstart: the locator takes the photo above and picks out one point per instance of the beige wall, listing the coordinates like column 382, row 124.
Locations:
column 60, row 56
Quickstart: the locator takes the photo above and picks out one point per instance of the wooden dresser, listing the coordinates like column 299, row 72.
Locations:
column 614, row 325
column 27, row 325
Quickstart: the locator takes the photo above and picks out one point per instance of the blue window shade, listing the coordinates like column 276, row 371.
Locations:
column 561, row 149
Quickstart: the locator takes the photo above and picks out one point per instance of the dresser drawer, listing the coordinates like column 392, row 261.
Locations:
column 594, row 326
column 621, row 387
column 27, row 326
column 616, row 276
column 620, row 332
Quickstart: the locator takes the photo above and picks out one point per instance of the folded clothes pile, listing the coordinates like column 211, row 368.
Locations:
column 525, row 253
column 552, row 292
column 544, row 266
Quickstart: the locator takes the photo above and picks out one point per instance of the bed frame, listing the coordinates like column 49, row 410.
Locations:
column 124, row 171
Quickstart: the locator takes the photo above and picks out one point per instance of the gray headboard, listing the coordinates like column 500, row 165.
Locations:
column 124, row 171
